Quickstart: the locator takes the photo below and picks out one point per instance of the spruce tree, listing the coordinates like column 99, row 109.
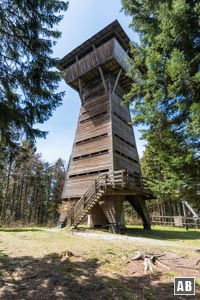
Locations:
column 165, row 67
column 28, row 78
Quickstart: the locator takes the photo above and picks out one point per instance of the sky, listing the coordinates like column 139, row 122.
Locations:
column 83, row 19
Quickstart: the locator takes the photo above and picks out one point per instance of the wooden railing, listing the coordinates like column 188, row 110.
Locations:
column 97, row 57
column 105, row 182
column 171, row 221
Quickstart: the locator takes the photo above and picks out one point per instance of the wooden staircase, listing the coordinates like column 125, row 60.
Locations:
column 107, row 183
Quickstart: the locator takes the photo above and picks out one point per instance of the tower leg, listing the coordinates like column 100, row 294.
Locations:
column 122, row 220
column 139, row 204
column 97, row 217
column 112, row 207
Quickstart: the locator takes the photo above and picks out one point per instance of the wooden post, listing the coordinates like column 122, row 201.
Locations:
column 72, row 217
column 123, row 184
column 106, row 176
column 103, row 79
column 185, row 216
column 101, row 73
column 84, row 201
column 127, row 179
column 116, row 81
column 80, row 90
column 95, row 186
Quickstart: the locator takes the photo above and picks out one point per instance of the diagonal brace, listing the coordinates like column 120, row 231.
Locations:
column 116, row 81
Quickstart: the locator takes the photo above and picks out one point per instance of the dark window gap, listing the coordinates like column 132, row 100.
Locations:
column 126, row 156
column 89, row 173
column 120, row 118
column 91, row 155
column 125, row 141
column 92, row 139
column 97, row 93
column 94, row 117
column 85, row 112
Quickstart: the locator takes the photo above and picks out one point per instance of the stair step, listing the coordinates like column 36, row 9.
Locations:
column 114, row 180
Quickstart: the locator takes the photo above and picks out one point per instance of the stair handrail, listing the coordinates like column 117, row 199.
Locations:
column 90, row 193
column 120, row 178
column 76, row 208
column 99, row 183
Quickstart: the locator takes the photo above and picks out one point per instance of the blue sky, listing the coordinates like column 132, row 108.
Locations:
column 83, row 19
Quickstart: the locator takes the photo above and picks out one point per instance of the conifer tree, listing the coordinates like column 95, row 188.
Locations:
column 28, row 78
column 165, row 67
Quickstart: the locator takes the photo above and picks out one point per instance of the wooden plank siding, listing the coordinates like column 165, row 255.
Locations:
column 104, row 139
column 92, row 148
column 90, row 61
column 76, row 187
column 91, row 164
column 104, row 145
column 121, row 56
column 111, row 54
column 124, row 146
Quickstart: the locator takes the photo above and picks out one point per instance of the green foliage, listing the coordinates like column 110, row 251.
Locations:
column 28, row 79
column 165, row 93
column 172, row 169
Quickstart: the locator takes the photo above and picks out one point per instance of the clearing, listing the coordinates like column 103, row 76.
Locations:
column 39, row 264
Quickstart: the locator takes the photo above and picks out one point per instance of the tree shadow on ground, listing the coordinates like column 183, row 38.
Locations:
column 163, row 234
column 73, row 278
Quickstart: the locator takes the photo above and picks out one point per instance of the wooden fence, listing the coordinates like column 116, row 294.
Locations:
column 175, row 221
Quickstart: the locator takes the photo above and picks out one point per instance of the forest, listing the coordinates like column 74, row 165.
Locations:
column 164, row 99
column 30, row 188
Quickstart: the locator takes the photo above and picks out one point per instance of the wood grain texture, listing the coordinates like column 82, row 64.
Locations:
column 104, row 139
column 110, row 54
column 104, row 164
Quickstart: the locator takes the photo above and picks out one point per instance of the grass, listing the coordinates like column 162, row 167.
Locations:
column 98, row 269
column 21, row 229
column 189, row 237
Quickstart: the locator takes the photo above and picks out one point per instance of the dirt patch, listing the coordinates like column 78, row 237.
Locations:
column 181, row 265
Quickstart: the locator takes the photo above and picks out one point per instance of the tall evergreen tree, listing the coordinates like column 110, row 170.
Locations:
column 30, row 190
column 28, row 79
column 165, row 66
column 56, row 188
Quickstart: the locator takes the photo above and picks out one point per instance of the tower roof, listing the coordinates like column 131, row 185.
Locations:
column 113, row 30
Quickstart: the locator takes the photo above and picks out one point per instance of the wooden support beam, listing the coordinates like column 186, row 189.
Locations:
column 117, row 80
column 103, row 79
column 80, row 85
column 101, row 73
column 80, row 90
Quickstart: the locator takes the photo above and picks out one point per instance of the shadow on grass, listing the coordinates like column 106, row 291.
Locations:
column 74, row 278
column 20, row 229
column 163, row 234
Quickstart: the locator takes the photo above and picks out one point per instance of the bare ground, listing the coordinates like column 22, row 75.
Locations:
column 35, row 265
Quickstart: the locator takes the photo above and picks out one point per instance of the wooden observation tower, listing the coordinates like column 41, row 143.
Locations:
column 104, row 168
